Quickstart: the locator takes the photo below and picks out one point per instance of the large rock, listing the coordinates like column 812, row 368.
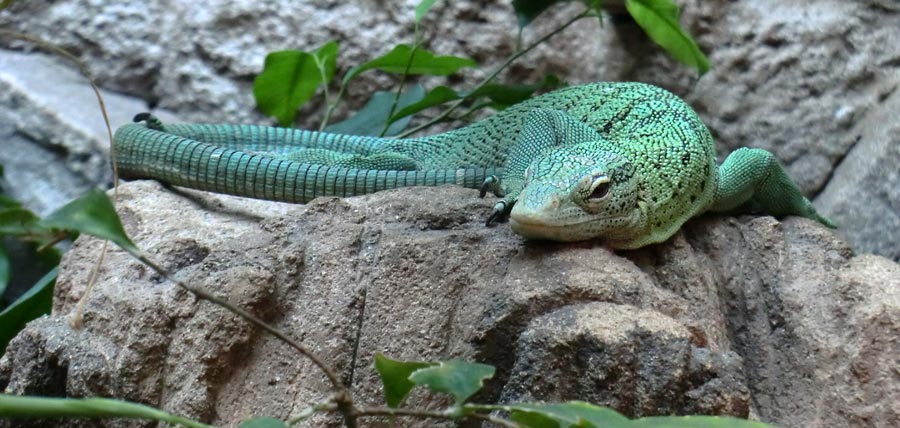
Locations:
column 732, row 316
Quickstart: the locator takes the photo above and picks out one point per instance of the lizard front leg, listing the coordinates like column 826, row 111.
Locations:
column 754, row 176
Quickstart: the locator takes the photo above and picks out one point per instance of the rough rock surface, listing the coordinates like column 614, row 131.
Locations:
column 55, row 144
column 733, row 316
column 805, row 79
column 199, row 58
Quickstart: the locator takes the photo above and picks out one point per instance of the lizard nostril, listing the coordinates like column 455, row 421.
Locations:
column 554, row 203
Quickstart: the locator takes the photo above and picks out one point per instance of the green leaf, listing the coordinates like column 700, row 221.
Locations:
column 528, row 10
column 532, row 419
column 264, row 422
column 423, row 8
column 92, row 214
column 403, row 59
column 659, row 19
column 695, row 422
column 7, row 202
column 434, row 97
column 35, row 302
column 5, row 4
column 4, row 271
column 457, row 378
column 395, row 377
column 370, row 119
column 17, row 221
column 572, row 414
column 288, row 80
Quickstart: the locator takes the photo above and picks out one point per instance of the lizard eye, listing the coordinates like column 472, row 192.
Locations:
column 599, row 188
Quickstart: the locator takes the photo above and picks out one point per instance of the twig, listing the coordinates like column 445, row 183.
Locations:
column 412, row 56
column 75, row 320
column 324, row 406
column 388, row 411
column 513, row 57
column 331, row 106
column 447, row 414
column 495, row 420
column 342, row 395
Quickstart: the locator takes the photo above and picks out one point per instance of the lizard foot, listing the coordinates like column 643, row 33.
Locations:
column 152, row 121
column 500, row 212
column 491, row 184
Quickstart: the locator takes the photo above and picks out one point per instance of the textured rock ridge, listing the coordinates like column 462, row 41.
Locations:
column 740, row 316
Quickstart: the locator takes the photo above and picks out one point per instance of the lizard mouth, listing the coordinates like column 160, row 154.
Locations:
column 539, row 230
column 531, row 228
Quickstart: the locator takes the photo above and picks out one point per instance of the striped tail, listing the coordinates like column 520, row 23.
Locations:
column 142, row 152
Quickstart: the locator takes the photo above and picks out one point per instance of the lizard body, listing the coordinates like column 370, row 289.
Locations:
column 627, row 163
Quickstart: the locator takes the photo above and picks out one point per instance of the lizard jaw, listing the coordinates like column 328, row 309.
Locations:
column 531, row 228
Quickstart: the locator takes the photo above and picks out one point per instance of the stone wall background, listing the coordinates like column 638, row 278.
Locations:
column 814, row 81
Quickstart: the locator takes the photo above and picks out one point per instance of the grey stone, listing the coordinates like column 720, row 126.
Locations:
column 55, row 141
column 199, row 58
column 35, row 175
column 744, row 316
column 864, row 185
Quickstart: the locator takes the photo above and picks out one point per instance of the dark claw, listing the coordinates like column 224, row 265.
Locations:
column 496, row 215
column 493, row 217
column 152, row 121
column 485, row 185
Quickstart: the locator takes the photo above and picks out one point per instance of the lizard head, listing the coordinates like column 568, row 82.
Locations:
column 575, row 193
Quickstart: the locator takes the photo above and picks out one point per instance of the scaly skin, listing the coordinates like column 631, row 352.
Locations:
column 627, row 163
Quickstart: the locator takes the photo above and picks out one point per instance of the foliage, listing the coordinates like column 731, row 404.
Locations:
column 291, row 78
column 458, row 379
column 19, row 232
column 398, row 372
column 371, row 119
column 92, row 214
column 19, row 406
column 33, row 303
column 659, row 18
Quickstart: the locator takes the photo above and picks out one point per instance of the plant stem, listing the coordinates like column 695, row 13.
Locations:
column 412, row 56
column 324, row 406
column 76, row 319
column 494, row 420
column 387, row 411
column 44, row 407
column 332, row 106
column 327, row 92
column 513, row 57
